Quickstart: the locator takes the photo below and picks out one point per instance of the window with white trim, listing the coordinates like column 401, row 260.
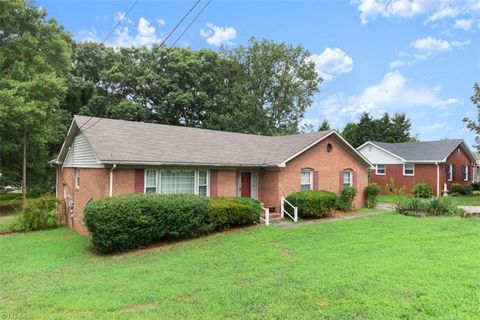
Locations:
column 150, row 181
column 202, row 183
column 449, row 172
column 408, row 169
column 347, row 178
column 306, row 179
column 77, row 177
column 170, row 181
column 465, row 173
column 380, row 169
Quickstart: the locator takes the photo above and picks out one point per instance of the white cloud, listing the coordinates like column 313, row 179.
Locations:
column 435, row 10
column 392, row 93
column 428, row 47
column 332, row 62
column 397, row 64
column 121, row 16
column 217, row 36
column 161, row 22
column 434, row 127
column 123, row 36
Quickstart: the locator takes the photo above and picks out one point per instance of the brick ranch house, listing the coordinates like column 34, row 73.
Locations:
column 438, row 163
column 105, row 157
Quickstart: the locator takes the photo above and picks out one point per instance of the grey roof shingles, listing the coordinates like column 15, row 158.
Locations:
column 421, row 151
column 138, row 142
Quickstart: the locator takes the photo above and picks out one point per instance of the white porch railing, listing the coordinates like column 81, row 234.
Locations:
column 284, row 212
column 266, row 217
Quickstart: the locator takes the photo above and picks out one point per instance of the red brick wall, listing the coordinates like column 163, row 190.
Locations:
column 123, row 181
column 425, row 173
column 268, row 188
column 94, row 183
column 458, row 158
column 226, row 183
column 328, row 165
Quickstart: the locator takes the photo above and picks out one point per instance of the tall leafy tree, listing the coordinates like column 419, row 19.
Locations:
column 35, row 57
column 324, row 126
column 385, row 129
column 279, row 84
column 471, row 124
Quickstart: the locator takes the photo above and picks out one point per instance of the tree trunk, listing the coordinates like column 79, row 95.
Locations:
column 24, row 168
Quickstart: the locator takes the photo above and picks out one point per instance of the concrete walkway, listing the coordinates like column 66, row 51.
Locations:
column 287, row 223
column 471, row 209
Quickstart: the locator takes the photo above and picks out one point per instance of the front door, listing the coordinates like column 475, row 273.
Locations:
column 245, row 184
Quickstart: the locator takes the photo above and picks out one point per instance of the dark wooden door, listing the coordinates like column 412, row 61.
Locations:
column 246, row 180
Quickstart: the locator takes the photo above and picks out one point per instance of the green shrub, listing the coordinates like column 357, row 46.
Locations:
column 476, row 186
column 130, row 221
column 314, row 203
column 371, row 192
column 467, row 190
column 427, row 207
column 457, row 188
column 422, row 190
column 229, row 212
column 38, row 214
column 345, row 200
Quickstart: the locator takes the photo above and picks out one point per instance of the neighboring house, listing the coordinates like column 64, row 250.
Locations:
column 438, row 163
column 105, row 157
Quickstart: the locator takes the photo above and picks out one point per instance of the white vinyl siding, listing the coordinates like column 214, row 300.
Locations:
column 408, row 169
column 380, row 170
column 306, row 180
column 81, row 155
column 170, row 181
column 376, row 155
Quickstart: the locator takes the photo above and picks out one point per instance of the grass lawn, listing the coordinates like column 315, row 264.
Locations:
column 459, row 200
column 10, row 198
column 6, row 220
column 384, row 266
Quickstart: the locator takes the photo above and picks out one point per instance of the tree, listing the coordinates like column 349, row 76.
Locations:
column 278, row 85
column 385, row 129
column 35, row 57
column 475, row 125
column 324, row 126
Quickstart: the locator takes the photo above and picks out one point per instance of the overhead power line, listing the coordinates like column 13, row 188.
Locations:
column 179, row 23
column 120, row 21
column 191, row 23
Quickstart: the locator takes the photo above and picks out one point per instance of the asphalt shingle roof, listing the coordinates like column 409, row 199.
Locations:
column 421, row 151
column 128, row 141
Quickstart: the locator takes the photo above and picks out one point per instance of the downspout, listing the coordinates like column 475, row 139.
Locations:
column 111, row 179
column 438, row 179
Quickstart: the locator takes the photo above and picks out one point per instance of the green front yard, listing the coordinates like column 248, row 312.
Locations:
column 383, row 266
column 458, row 200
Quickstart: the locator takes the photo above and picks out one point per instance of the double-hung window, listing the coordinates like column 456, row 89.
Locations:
column 150, row 181
column 202, row 183
column 380, row 170
column 465, row 173
column 449, row 172
column 347, row 178
column 306, row 179
column 408, row 169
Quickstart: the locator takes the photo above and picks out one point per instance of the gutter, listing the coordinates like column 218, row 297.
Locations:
column 110, row 192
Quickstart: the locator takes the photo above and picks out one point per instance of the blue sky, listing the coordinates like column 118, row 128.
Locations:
column 420, row 57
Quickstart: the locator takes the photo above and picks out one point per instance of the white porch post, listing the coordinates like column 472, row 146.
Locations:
column 282, row 207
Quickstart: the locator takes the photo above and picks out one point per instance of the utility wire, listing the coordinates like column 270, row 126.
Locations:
column 120, row 21
column 191, row 23
column 179, row 23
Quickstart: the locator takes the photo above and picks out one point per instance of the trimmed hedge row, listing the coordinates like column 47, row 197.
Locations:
column 131, row 221
column 314, row 203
